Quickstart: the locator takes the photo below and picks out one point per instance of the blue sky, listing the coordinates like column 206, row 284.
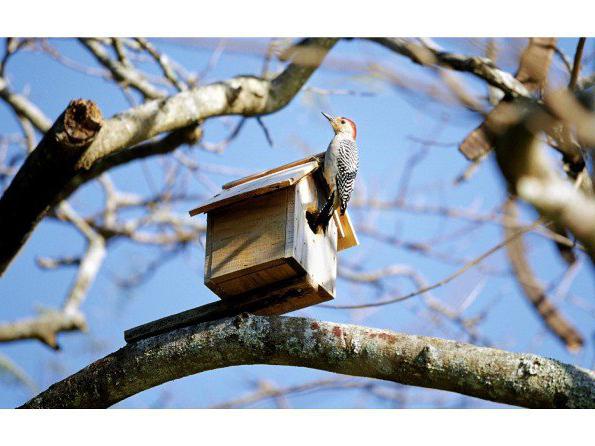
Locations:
column 387, row 120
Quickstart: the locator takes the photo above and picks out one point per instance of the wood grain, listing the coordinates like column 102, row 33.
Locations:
column 316, row 158
column 285, row 296
column 260, row 186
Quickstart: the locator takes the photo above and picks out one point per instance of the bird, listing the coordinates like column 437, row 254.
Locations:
column 341, row 162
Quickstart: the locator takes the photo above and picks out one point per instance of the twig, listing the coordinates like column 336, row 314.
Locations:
column 164, row 63
column 576, row 64
column 444, row 281
column 121, row 72
column 264, row 128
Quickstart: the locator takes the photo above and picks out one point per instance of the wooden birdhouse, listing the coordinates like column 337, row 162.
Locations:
column 262, row 256
column 259, row 241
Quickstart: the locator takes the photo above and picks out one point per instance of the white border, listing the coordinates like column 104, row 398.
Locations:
column 296, row 427
column 258, row 18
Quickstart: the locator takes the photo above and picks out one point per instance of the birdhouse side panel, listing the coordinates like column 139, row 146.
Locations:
column 315, row 252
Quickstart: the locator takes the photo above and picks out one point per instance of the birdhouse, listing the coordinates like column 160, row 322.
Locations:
column 259, row 241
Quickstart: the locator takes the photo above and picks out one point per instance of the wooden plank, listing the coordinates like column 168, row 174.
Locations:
column 279, row 271
column 339, row 224
column 350, row 240
column 256, row 188
column 285, row 297
column 318, row 157
column 248, row 235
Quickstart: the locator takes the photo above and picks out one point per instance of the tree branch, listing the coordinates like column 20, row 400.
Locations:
column 532, row 73
column 44, row 174
column 532, row 289
column 531, row 175
column 47, row 325
column 481, row 67
column 122, row 72
column 510, row 378
column 43, row 327
column 576, row 66
column 242, row 95
column 23, row 107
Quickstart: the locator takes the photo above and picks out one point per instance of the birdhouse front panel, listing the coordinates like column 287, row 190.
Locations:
column 246, row 244
column 260, row 243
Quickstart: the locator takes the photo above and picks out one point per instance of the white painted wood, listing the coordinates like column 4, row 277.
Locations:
column 257, row 187
column 317, row 253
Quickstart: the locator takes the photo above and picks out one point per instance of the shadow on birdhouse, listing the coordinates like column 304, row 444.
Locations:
column 262, row 256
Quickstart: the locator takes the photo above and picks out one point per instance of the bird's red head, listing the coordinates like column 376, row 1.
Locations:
column 353, row 127
column 341, row 124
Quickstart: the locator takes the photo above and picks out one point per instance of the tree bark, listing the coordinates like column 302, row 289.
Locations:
column 47, row 170
column 511, row 378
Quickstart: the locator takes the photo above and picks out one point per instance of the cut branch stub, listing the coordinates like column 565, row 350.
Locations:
column 81, row 122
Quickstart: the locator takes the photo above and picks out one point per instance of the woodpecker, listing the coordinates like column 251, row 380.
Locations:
column 341, row 162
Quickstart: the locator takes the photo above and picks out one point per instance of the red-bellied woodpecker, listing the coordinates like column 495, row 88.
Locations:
column 341, row 162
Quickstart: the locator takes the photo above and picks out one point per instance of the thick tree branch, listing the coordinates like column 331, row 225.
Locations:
column 44, row 174
column 170, row 142
column 481, row 67
column 531, row 74
column 45, row 168
column 531, row 175
column 510, row 378
column 242, row 95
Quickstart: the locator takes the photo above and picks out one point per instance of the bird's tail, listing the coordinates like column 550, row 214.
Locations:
column 321, row 219
column 326, row 213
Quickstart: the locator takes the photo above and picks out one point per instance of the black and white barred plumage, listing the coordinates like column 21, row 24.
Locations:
column 347, row 164
column 341, row 161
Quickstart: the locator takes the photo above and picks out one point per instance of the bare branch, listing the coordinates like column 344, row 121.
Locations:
column 122, row 72
column 491, row 374
column 43, row 327
column 530, row 173
column 576, row 65
column 444, row 281
column 266, row 391
column 479, row 66
column 243, row 95
column 533, row 290
column 46, row 326
column 531, row 74
column 163, row 62
column 23, row 107
column 8, row 367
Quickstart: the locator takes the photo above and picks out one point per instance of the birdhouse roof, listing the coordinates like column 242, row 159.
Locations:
column 271, row 180
column 259, row 184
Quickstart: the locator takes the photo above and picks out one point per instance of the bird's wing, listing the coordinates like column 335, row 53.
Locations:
column 348, row 163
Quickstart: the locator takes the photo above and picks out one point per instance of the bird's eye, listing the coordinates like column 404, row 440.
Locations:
column 342, row 121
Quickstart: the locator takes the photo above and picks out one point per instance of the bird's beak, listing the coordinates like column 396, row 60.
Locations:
column 327, row 116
